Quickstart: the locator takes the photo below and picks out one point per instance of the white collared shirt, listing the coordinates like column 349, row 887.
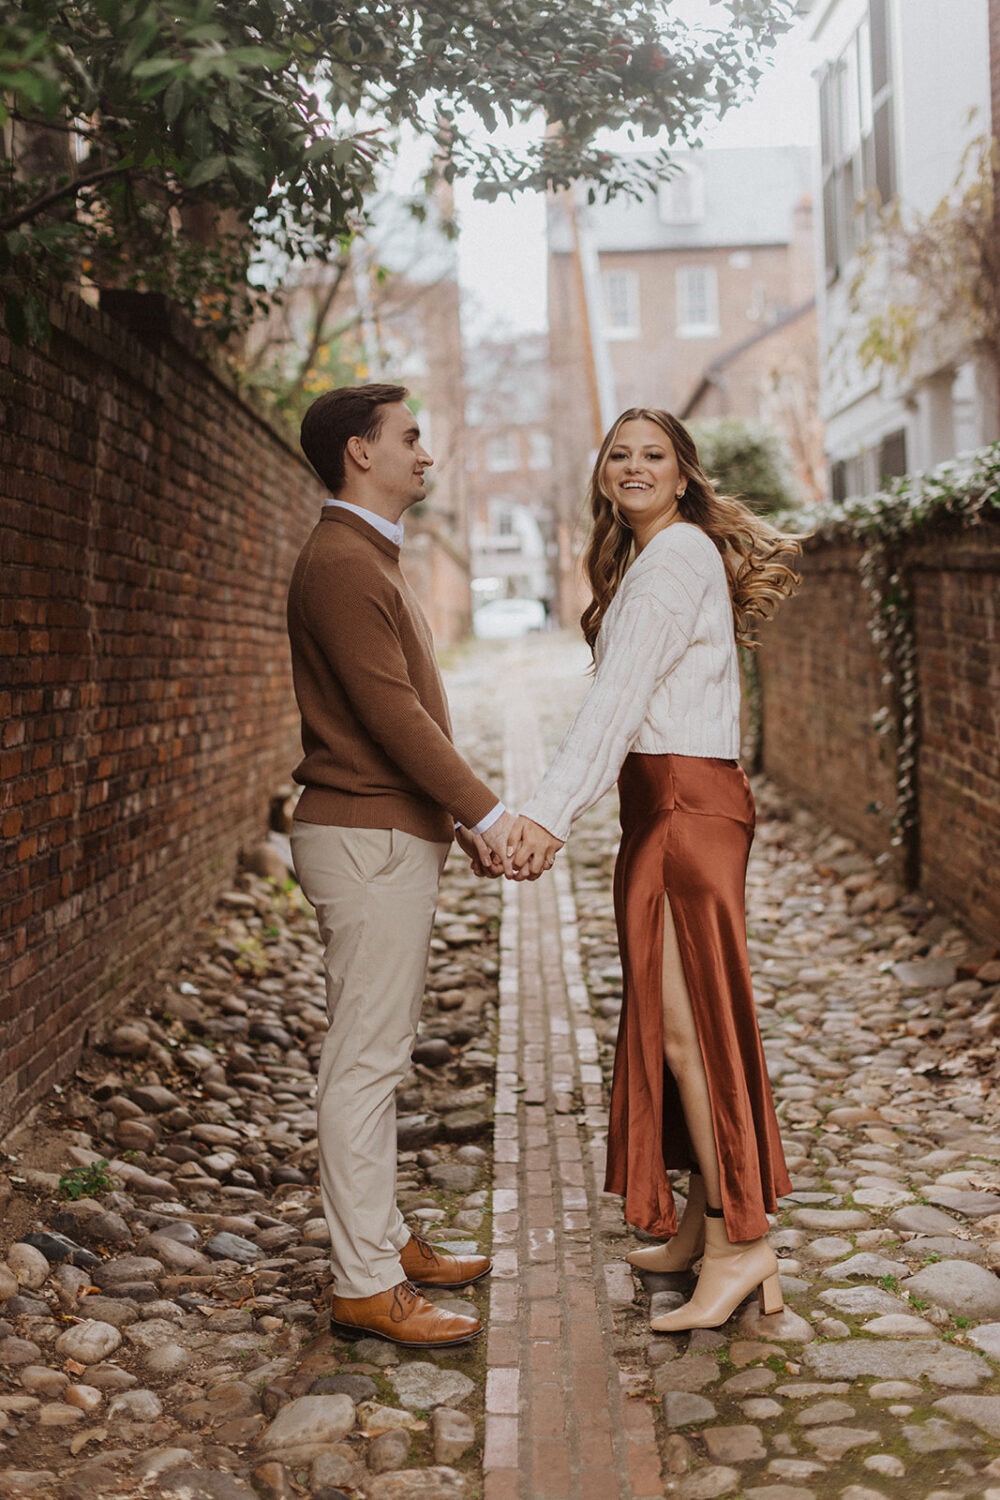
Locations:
column 391, row 530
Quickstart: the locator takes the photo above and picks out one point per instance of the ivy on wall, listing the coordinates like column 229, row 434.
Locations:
column 961, row 491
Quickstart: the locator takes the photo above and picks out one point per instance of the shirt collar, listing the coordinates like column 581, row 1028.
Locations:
column 391, row 530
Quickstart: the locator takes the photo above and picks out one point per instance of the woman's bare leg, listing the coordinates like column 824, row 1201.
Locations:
column 682, row 1051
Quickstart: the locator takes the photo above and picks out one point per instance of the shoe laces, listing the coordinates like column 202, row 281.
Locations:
column 426, row 1250
column 404, row 1296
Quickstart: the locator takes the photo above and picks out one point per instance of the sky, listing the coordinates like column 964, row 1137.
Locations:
column 502, row 245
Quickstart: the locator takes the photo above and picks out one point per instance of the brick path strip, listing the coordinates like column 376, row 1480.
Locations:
column 559, row 1425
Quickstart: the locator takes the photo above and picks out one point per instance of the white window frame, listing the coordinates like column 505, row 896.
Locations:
column 697, row 313
column 539, row 450
column 502, row 453
column 681, row 199
column 620, row 302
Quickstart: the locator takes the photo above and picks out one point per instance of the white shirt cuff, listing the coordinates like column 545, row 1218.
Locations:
column 488, row 821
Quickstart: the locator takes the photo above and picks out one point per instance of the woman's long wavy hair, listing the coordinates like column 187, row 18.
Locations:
column 751, row 547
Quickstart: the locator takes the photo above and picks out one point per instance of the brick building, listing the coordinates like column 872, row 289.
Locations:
column 698, row 299
column 904, row 90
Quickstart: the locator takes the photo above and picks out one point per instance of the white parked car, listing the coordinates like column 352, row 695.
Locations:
column 504, row 619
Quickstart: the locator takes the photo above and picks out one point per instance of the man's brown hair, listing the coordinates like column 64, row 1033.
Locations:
column 351, row 411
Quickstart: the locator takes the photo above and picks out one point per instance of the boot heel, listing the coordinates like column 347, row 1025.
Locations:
column 769, row 1298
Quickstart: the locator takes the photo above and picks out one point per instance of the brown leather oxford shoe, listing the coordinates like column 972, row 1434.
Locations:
column 402, row 1316
column 425, row 1265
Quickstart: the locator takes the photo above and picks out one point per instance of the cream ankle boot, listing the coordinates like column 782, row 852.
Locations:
column 728, row 1273
column 679, row 1253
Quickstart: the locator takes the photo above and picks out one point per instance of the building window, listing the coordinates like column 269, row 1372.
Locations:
column 681, row 200
column 856, row 138
column 892, row 456
column 621, row 304
column 501, row 453
column 539, row 450
column 697, row 302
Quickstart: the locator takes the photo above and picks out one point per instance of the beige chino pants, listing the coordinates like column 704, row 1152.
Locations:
column 375, row 891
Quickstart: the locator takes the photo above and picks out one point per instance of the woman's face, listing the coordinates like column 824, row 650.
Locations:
column 642, row 476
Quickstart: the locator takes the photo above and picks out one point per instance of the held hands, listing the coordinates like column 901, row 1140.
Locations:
column 480, row 855
column 514, row 847
column 534, row 849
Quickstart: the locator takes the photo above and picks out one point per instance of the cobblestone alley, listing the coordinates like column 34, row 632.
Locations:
column 162, row 1324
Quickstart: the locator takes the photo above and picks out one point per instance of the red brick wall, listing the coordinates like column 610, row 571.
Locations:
column 150, row 522
column 822, row 684
column 956, row 591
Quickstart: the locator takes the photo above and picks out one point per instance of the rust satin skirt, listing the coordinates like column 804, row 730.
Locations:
column 687, row 826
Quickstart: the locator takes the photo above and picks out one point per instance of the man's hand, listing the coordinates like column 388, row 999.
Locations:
column 474, row 845
column 534, row 847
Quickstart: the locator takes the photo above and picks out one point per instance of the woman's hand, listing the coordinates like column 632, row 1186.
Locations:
column 534, row 849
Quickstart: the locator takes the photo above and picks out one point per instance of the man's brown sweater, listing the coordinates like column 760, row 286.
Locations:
column 376, row 734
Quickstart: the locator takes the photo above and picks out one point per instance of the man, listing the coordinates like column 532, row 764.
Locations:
column 384, row 791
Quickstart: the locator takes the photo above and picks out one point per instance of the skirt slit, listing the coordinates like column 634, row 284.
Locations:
column 687, row 825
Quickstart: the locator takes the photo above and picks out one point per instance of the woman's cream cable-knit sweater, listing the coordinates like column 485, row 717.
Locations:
column 667, row 678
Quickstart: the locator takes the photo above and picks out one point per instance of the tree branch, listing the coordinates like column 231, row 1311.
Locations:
column 68, row 190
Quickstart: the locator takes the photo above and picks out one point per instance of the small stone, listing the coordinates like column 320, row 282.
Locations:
column 161, row 1461
column 389, row 1450
column 690, row 1373
column 455, row 1177
column 438, row 1483
column 936, row 1436
column 203, row 1484
column 358, row 1387
column 886, row 1464
column 40, row 1380
column 710, row 1483
column 733, row 1444
column 339, row 1464
column 863, row 1299
column 154, row 1098
column 899, row 1326
column 14, row 1351
column 454, row 1434
column 87, row 1397
column 88, row 1343
column 128, row 1041
column 831, row 1443
column 433, row 1052
column 59, row 1414
column 889, row 1359
column 28, row 1264
column 685, row 1408
column 824, row 1412
column 422, row 1386
column 959, row 1286
column 115, row 1310
column 867, row 1265
column 982, row 1411
column 136, row 1406
column 987, row 1338
column 8, row 1282
column 786, row 1327
column 968, row 1204
column 827, row 1220
column 306, row 1425
column 921, row 1219
column 227, row 1246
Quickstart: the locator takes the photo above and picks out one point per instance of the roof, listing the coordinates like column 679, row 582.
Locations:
column 749, row 195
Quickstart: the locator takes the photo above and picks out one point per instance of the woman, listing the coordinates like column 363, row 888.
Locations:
column 678, row 575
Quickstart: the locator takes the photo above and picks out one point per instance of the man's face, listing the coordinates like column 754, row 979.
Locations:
column 397, row 459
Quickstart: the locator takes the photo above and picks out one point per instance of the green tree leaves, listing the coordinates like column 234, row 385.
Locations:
column 262, row 122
